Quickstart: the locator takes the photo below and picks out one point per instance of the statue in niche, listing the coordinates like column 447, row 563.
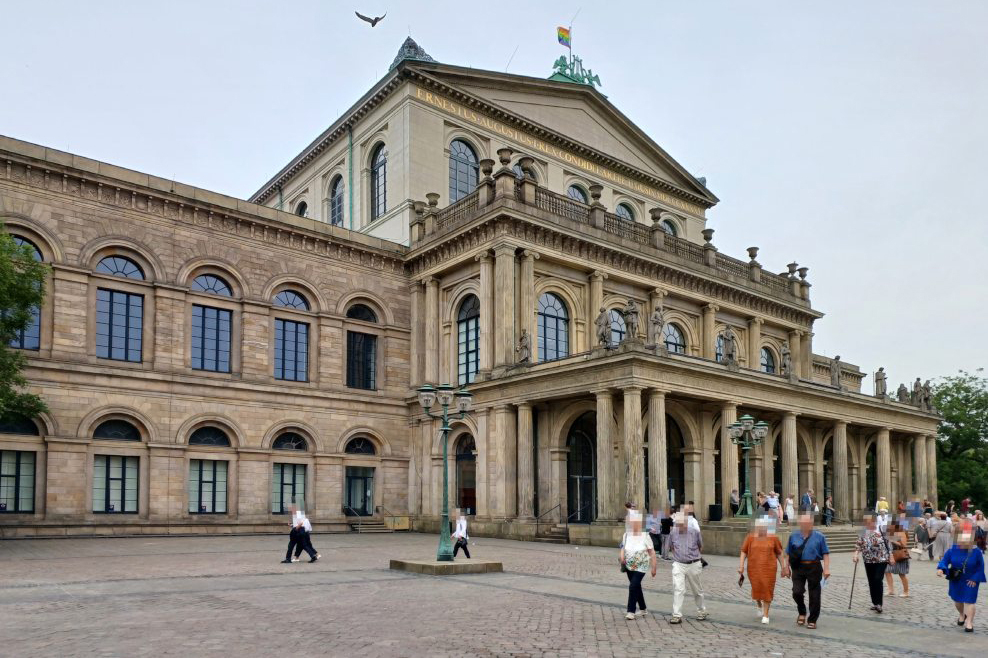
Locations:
column 881, row 383
column 835, row 372
column 902, row 394
column 603, row 324
column 730, row 346
column 917, row 396
column 524, row 348
column 786, row 359
column 632, row 320
column 656, row 323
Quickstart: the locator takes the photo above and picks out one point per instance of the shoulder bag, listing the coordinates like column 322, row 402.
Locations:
column 953, row 573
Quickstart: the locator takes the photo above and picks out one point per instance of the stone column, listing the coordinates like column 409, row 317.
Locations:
column 692, row 478
column 658, row 478
column 596, row 298
column 504, row 305
column 526, row 298
column 728, row 456
column 796, row 350
column 431, row 329
column 486, row 322
column 605, row 410
column 526, row 467
column 919, row 459
column 931, row 469
column 483, row 446
column 842, row 493
column 709, row 346
column 415, row 357
column 503, row 496
column 883, row 475
column 755, row 343
column 807, row 353
column 790, row 477
column 634, row 455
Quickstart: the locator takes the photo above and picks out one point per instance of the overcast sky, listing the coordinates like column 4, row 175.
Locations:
column 851, row 137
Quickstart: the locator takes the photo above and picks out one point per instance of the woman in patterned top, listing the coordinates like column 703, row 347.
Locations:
column 874, row 548
column 637, row 555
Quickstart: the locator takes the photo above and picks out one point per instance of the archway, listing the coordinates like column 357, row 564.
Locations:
column 466, row 474
column 871, row 484
column 675, row 465
column 581, row 469
column 828, row 471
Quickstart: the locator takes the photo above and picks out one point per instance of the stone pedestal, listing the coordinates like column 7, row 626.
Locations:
column 434, row 568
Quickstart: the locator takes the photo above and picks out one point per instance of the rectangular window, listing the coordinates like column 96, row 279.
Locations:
column 115, row 484
column 16, row 481
column 287, row 488
column 211, row 338
column 29, row 338
column 468, row 350
column 207, row 486
column 291, row 350
column 119, row 325
column 361, row 360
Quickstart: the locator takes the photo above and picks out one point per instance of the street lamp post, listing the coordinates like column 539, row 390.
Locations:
column 444, row 394
column 747, row 434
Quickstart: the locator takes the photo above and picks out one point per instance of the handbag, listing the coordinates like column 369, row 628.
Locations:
column 902, row 552
column 953, row 573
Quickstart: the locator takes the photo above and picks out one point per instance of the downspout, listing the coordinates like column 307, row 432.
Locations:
column 349, row 159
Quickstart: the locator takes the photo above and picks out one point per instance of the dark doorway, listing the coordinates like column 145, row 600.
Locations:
column 466, row 474
column 581, row 469
column 359, row 490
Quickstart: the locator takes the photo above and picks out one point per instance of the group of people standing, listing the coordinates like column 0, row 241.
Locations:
column 785, row 512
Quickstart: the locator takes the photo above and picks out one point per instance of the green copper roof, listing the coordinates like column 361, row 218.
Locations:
column 410, row 50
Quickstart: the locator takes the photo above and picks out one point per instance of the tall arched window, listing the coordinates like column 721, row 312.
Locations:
column 29, row 338
column 463, row 171
column 291, row 339
column 361, row 351
column 669, row 227
column 577, row 193
column 719, row 348
column 468, row 340
column 302, row 209
column 618, row 328
column 624, row 211
column 768, row 361
column 553, row 328
column 379, row 182
column 336, row 189
column 212, row 327
column 674, row 340
column 119, row 314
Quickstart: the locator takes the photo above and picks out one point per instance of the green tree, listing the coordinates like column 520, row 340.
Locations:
column 22, row 290
column 962, row 438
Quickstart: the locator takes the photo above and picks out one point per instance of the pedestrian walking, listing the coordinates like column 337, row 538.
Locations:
column 772, row 500
column 762, row 551
column 305, row 538
column 828, row 511
column 927, row 507
column 666, row 528
column 637, row 558
column 806, row 502
column 949, row 509
column 685, row 544
column 964, row 568
column 923, row 543
column 735, row 502
column 940, row 533
column 965, row 505
column 807, row 549
column 899, row 566
column 790, row 510
column 980, row 530
column 459, row 535
column 873, row 549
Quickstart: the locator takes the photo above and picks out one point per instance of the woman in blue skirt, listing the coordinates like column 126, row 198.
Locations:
column 970, row 568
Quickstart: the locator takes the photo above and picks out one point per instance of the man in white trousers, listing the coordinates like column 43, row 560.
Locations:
column 685, row 545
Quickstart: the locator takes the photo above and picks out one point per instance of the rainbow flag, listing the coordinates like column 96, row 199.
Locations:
column 562, row 34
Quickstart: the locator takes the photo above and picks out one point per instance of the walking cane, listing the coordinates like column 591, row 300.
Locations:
column 853, row 578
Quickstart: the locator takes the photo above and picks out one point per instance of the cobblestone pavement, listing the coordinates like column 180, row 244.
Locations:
column 186, row 596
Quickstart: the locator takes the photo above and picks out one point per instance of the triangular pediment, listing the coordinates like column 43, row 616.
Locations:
column 575, row 111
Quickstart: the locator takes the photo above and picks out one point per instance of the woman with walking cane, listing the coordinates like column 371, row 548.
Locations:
column 874, row 548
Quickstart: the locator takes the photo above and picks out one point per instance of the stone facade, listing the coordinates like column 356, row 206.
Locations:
column 564, row 437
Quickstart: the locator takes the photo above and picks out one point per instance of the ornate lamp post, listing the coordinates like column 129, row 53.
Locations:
column 747, row 434
column 444, row 394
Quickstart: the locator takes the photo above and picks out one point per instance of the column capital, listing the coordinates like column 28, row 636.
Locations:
column 504, row 250
column 524, row 405
column 503, row 407
column 711, row 308
column 598, row 275
column 790, row 414
column 483, row 257
column 415, row 286
column 632, row 388
column 729, row 403
column 755, row 322
column 797, row 332
column 659, row 292
column 656, row 393
column 429, row 280
column 840, row 423
column 602, row 392
column 529, row 254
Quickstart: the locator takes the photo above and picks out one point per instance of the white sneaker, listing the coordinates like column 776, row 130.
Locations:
column 294, row 559
column 630, row 616
column 641, row 613
column 701, row 615
column 764, row 620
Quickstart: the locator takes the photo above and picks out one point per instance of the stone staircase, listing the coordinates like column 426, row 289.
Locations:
column 840, row 538
column 367, row 525
column 552, row 534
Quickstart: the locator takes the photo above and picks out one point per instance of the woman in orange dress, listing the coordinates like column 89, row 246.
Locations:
column 762, row 550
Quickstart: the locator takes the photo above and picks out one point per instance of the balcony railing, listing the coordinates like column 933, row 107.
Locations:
column 626, row 228
column 455, row 212
column 684, row 248
column 564, row 206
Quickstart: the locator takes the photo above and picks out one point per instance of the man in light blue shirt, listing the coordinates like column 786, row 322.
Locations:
column 806, row 549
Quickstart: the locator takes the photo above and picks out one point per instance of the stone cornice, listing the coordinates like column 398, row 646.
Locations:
column 278, row 228
column 426, row 259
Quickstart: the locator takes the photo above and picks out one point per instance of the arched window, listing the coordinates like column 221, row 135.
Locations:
column 553, row 327
column 209, row 436
column 117, row 430
column 379, row 182
column 360, row 446
column 618, row 328
column 466, row 474
column 336, row 189
column 361, row 351
column 17, row 424
column 577, row 193
column 463, row 171
column 468, row 340
column 29, row 338
column 719, row 348
column 302, row 209
column 674, row 339
column 120, row 266
column 624, row 211
column 669, row 227
column 290, row 441
column 291, row 299
column 768, row 361
column 361, row 312
column 212, row 284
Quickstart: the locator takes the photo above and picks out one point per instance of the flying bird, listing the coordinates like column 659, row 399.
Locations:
column 372, row 21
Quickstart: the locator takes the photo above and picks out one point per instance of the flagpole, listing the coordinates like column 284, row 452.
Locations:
column 570, row 47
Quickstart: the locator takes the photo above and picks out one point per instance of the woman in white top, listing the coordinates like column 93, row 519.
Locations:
column 637, row 555
column 459, row 536
column 790, row 509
